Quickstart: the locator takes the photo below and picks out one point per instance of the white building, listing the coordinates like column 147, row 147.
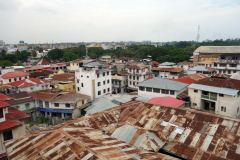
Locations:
column 160, row 87
column 201, row 69
column 29, row 84
column 119, row 81
column 12, row 75
column 173, row 73
column 217, row 95
column 185, row 65
column 136, row 75
column 93, row 80
column 166, row 64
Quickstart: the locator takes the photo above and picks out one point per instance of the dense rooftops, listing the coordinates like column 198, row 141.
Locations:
column 168, row 69
column 14, row 74
column 27, row 82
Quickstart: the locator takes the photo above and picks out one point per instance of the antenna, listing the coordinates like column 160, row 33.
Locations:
column 198, row 35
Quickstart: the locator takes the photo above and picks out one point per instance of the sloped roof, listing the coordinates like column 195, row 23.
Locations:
column 168, row 69
column 70, row 98
column 169, row 101
column 162, row 83
column 27, row 82
column 133, row 67
column 218, row 49
column 64, row 77
column 20, row 97
column 197, row 76
column 220, row 75
column 186, row 80
column 216, row 82
column 132, row 130
column 4, row 104
column 14, row 74
column 122, row 73
column 44, row 95
column 155, row 62
column 43, row 62
column 4, row 97
column 185, row 63
column 235, row 76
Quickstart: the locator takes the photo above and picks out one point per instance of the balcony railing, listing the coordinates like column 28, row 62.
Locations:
column 116, row 85
column 209, row 97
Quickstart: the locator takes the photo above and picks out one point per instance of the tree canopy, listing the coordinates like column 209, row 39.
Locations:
column 23, row 56
column 6, row 63
column 11, row 57
column 69, row 56
column 55, row 54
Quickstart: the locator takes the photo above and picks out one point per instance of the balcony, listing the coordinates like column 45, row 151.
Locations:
column 213, row 98
column 116, row 85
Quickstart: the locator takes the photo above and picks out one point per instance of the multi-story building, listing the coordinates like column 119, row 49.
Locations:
column 173, row 73
column 219, row 95
column 75, row 64
column 228, row 63
column 185, row 65
column 119, row 81
column 13, row 75
column 106, row 58
column 93, row 80
column 201, row 69
column 136, row 75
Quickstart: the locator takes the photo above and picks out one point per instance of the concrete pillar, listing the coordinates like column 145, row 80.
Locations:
column 62, row 115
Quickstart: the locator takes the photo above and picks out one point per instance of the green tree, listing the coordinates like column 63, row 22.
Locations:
column 69, row 56
column 3, row 54
column 47, row 58
column 34, row 53
column 17, row 53
column 127, row 53
column 11, row 57
column 97, row 50
column 23, row 56
column 55, row 54
column 20, row 64
column 92, row 55
column 183, row 44
column 6, row 63
column 189, row 49
column 40, row 50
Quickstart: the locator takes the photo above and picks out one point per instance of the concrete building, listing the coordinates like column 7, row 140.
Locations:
column 185, row 65
column 218, row 95
column 28, row 85
column 75, row 64
column 167, row 65
column 106, row 58
column 160, row 87
column 119, row 81
column 93, row 80
column 136, row 75
column 212, row 53
column 58, row 103
column 201, row 69
column 173, row 73
column 12, row 75
column 11, row 125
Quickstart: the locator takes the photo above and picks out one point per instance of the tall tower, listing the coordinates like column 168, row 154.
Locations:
column 198, row 35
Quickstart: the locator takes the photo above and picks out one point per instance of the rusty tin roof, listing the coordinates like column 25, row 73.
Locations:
column 133, row 130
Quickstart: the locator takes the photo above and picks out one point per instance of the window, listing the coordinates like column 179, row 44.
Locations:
column 104, row 91
column 167, row 91
column 163, row 91
column 15, row 79
column 20, row 78
column 27, row 105
column 78, row 89
column 40, row 103
column 81, row 75
column 148, row 89
column 181, row 66
column 141, row 88
column 195, row 90
column 156, row 90
column 82, row 84
column 134, row 83
column 137, row 78
column 56, row 104
column 172, row 92
column 1, row 112
column 67, row 105
column 77, row 80
column 107, row 73
column 10, row 80
column 130, row 70
column 144, row 76
column 133, row 77
column 87, row 76
column 130, row 77
column 82, row 102
column 130, row 83
column 42, row 87
column 221, row 95
column 97, row 75
column 194, row 104
column 7, row 135
column 103, row 74
column 103, row 82
column 73, row 86
column 108, row 89
column 99, row 83
column 223, row 109
column 46, row 104
column 25, row 77
column 99, row 92
column 108, row 81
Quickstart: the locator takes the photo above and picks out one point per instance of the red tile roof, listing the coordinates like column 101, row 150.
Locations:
column 65, row 77
column 169, row 101
column 5, row 97
column 220, row 75
column 168, row 69
column 13, row 118
column 27, row 82
column 134, row 67
column 155, row 62
column 4, row 104
column 185, row 63
column 122, row 73
column 77, row 60
column 14, row 74
column 196, row 76
column 150, row 78
column 43, row 62
column 186, row 80
column 217, row 82
column 44, row 95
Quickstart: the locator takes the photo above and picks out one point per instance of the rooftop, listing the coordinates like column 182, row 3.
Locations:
column 5, row 97
column 162, row 83
column 185, row 63
column 20, row 97
column 43, row 62
column 70, row 98
column 167, row 63
column 196, row 76
column 155, row 62
column 168, row 101
column 27, row 82
column 121, row 73
column 64, row 77
column 168, row 69
column 218, row 49
column 186, row 80
column 14, row 74
column 130, row 131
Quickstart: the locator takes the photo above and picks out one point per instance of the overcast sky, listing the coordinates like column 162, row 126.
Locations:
column 42, row 21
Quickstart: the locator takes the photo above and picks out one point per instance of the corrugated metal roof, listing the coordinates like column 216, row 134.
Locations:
column 227, row 91
column 163, row 83
column 188, row 133
column 92, row 64
column 218, row 49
